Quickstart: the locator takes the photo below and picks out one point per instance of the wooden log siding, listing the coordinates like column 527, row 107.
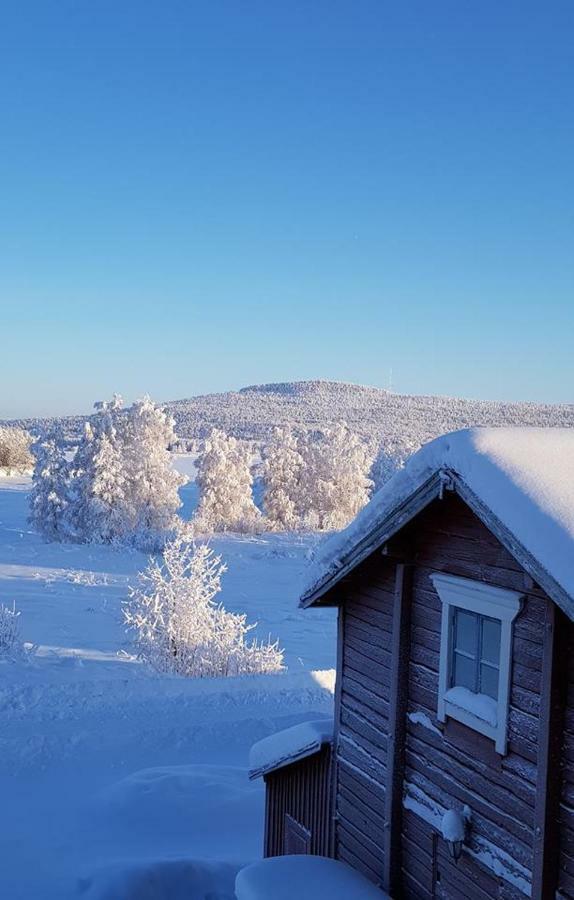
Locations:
column 302, row 791
column 363, row 718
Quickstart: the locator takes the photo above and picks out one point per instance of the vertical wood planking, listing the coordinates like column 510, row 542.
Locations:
column 398, row 698
column 549, row 783
column 301, row 791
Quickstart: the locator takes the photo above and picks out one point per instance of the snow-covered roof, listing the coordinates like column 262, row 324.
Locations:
column 520, row 481
column 288, row 746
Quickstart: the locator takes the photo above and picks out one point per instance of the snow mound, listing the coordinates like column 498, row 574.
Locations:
column 178, row 797
column 177, row 879
column 525, row 476
column 288, row 746
column 304, row 877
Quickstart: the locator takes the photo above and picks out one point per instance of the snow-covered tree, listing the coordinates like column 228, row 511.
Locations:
column 334, row 484
column 15, row 453
column 225, row 484
column 50, row 494
column 282, row 474
column 119, row 486
column 152, row 481
column 99, row 510
column 179, row 628
column 391, row 457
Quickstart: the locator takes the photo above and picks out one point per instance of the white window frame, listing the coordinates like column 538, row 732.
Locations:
column 486, row 600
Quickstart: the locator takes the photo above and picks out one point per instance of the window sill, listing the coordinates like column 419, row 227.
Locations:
column 480, row 706
column 467, row 712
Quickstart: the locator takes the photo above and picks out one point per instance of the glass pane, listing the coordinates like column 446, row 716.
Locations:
column 464, row 672
column 465, row 631
column 489, row 681
column 491, row 641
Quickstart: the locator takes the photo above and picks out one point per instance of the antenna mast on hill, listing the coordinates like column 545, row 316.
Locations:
column 390, row 388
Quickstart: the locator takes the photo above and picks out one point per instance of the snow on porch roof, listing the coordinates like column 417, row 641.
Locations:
column 288, row 746
column 520, row 481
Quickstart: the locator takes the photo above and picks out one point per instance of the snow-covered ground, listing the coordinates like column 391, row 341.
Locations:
column 117, row 783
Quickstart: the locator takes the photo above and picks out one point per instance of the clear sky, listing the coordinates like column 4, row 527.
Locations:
column 196, row 196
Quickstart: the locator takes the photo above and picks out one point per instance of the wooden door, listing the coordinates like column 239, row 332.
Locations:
column 297, row 838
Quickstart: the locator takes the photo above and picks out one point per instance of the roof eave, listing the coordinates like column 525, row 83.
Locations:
column 401, row 515
column 429, row 490
column 307, row 752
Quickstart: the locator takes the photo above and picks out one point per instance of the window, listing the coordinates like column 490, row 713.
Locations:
column 475, row 654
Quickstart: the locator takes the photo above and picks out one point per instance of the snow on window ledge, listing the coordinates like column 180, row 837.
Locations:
column 481, row 706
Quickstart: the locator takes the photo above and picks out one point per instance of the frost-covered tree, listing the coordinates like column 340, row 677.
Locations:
column 11, row 644
column 177, row 625
column 152, row 482
column 225, row 484
column 51, row 487
column 15, row 453
column 335, row 481
column 282, row 472
column 391, row 457
column 100, row 508
column 119, row 486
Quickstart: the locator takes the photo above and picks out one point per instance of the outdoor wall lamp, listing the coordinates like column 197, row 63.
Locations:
column 454, row 826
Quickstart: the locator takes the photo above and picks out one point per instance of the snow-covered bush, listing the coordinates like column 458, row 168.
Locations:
column 120, row 485
column 334, row 482
column 15, row 455
column 225, row 484
column 282, row 472
column 11, row 645
column 179, row 628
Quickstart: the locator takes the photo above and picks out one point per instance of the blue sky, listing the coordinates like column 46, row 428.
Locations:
column 199, row 196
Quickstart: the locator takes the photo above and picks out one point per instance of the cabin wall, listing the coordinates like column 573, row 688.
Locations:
column 367, row 616
column 448, row 765
column 303, row 792
column 445, row 765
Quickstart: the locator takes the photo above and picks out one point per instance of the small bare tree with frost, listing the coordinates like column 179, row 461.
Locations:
column 178, row 626
column 11, row 644
column 15, row 452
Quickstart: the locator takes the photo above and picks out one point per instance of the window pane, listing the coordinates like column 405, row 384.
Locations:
column 489, row 681
column 491, row 641
column 465, row 631
column 464, row 674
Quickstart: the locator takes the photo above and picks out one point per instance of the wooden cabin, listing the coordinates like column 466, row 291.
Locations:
column 452, row 769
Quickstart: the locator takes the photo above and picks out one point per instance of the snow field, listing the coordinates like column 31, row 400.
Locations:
column 118, row 783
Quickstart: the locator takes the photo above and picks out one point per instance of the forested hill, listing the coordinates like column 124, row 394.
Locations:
column 374, row 413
